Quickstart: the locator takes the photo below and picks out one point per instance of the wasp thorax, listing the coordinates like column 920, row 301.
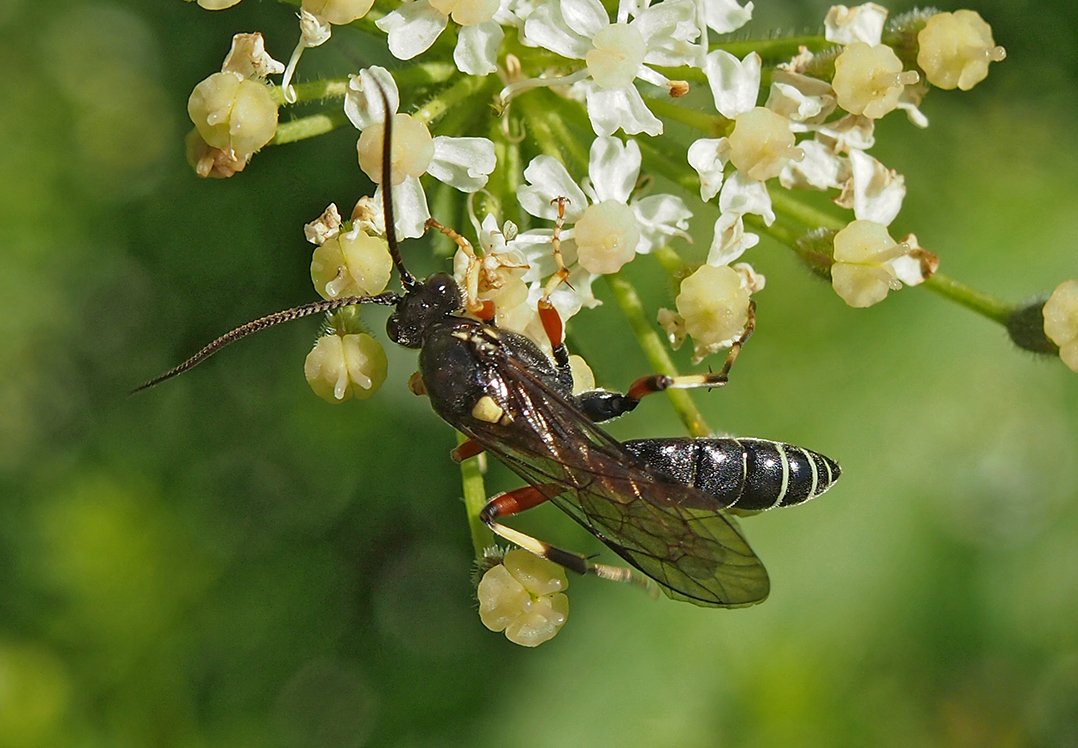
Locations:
column 433, row 300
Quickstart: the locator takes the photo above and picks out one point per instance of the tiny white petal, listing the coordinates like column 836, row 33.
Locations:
column 621, row 108
column 670, row 32
column 586, row 17
column 708, row 156
column 819, row 169
column 476, row 52
column 850, row 133
column 546, row 180
column 877, row 191
column 724, row 16
column 742, row 195
column 412, row 28
column 661, row 218
column 861, row 23
column 410, row 211
column 800, row 98
column 735, row 84
column 464, row 163
column 614, row 168
column 730, row 240
column 363, row 103
column 547, row 27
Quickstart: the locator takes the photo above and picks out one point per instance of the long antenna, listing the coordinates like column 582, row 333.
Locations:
column 286, row 315
column 408, row 280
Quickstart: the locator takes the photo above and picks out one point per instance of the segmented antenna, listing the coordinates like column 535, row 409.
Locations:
column 286, row 315
column 408, row 280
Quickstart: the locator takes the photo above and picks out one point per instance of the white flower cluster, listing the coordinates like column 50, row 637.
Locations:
column 568, row 196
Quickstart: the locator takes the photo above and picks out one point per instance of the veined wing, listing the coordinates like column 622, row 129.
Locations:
column 671, row 532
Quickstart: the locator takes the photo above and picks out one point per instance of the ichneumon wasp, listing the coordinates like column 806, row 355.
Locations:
column 658, row 503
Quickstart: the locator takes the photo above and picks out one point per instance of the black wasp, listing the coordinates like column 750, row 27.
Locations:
column 657, row 503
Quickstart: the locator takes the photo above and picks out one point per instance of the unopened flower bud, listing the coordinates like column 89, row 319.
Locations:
column 955, row 49
column 712, row 307
column 467, row 12
column 524, row 597
column 413, row 149
column 351, row 264
column 233, row 113
column 761, row 144
column 1061, row 321
column 342, row 367
column 338, row 11
column 216, row 4
column 869, row 80
column 863, row 272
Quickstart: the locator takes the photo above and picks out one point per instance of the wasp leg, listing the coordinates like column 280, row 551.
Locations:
column 466, row 450
column 602, row 405
column 555, row 332
column 520, row 500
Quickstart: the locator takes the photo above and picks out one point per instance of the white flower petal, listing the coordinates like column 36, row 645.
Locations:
column 614, row 168
column 586, row 17
column 547, row 27
column 363, row 103
column 546, row 180
column 412, row 28
column 476, row 52
column 861, row 23
column 742, row 195
column 819, row 169
column 730, row 240
column 708, row 156
column 877, row 191
column 464, row 163
column 800, row 98
column 670, row 32
column 661, row 217
column 724, row 16
column 735, row 84
column 410, row 212
column 621, row 108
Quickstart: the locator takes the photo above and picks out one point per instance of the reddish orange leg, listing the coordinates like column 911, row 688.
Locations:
column 466, row 450
column 520, row 500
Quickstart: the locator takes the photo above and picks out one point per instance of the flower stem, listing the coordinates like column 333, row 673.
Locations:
column 972, row 299
column 710, row 125
column 655, row 352
column 333, row 88
column 310, row 126
column 436, row 107
column 475, row 498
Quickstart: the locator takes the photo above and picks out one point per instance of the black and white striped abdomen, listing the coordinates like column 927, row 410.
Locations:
column 750, row 474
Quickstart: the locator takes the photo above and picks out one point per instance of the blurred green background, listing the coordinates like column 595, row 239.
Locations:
column 228, row 560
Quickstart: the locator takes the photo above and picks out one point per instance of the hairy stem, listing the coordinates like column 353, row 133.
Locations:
column 475, row 497
column 310, row 126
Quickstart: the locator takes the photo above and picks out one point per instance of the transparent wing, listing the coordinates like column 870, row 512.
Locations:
column 671, row 532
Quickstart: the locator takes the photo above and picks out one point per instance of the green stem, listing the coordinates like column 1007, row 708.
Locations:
column 333, row 88
column 778, row 49
column 475, row 498
column 970, row 298
column 655, row 351
column 310, row 126
column 710, row 125
column 783, row 201
column 466, row 87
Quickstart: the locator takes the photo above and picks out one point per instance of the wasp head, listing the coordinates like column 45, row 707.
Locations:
column 425, row 303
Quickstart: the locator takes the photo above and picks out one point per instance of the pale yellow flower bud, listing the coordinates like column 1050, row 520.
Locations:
column 863, row 272
column 467, row 12
column 869, row 80
column 413, row 149
column 956, row 49
column 216, row 4
column 713, row 307
column 338, row 11
column 351, row 264
column 761, row 144
column 524, row 597
column 1061, row 321
column 233, row 113
column 606, row 237
column 341, row 367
